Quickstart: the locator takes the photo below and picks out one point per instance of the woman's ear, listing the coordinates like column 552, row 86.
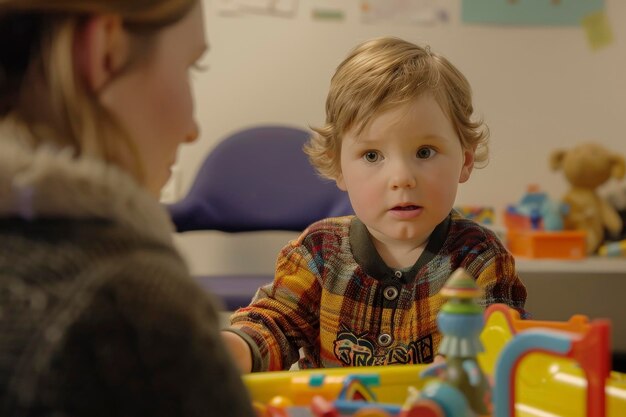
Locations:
column 101, row 50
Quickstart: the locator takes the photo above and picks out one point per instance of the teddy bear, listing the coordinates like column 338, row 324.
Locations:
column 586, row 167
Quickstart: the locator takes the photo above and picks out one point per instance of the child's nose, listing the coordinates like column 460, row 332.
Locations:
column 403, row 183
column 402, row 178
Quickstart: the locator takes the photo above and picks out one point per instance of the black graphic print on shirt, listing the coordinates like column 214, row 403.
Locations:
column 359, row 350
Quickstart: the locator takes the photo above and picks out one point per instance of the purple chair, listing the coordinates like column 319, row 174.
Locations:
column 256, row 179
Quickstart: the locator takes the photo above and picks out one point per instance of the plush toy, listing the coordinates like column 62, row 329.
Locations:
column 586, row 167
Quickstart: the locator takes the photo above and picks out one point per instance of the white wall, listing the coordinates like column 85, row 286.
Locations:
column 539, row 88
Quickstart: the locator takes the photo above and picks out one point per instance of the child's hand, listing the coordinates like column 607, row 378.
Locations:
column 240, row 351
column 436, row 369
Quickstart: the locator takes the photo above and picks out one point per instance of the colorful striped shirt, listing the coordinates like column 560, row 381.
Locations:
column 334, row 302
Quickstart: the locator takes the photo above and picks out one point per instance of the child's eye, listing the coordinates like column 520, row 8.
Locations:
column 425, row 153
column 371, row 156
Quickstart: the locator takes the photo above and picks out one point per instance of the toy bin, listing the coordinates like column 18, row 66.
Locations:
column 541, row 244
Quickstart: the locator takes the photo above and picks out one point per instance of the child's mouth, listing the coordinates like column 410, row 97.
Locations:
column 407, row 212
column 406, row 208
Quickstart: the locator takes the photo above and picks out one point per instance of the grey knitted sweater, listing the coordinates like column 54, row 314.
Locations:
column 98, row 314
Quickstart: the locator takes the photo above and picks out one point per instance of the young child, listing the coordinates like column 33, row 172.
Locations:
column 364, row 290
column 98, row 313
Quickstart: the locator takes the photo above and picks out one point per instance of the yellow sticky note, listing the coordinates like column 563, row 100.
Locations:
column 598, row 30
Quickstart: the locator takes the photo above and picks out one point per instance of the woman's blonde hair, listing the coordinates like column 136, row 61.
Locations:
column 380, row 74
column 39, row 87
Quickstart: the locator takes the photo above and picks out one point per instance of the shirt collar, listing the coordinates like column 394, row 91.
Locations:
column 372, row 264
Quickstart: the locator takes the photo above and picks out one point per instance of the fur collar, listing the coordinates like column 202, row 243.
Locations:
column 47, row 182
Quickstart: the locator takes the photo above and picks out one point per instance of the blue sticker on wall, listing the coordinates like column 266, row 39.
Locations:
column 529, row 12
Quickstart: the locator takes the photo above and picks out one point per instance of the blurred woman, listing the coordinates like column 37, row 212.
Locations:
column 98, row 313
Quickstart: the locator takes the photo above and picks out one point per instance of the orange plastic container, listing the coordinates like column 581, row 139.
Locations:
column 568, row 244
column 514, row 221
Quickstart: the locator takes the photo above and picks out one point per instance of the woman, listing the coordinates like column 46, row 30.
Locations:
column 98, row 314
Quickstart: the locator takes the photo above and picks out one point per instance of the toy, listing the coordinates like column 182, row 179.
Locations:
column 585, row 348
column 529, row 377
column 534, row 228
column 613, row 249
column 617, row 198
column 480, row 214
column 568, row 244
column 536, row 211
column 461, row 321
column 545, row 385
column 587, row 167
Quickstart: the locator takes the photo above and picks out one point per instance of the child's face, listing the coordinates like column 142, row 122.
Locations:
column 402, row 171
column 153, row 101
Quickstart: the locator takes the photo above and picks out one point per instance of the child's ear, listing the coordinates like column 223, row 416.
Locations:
column 101, row 47
column 468, row 165
column 341, row 184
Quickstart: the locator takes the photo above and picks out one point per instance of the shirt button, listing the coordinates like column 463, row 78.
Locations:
column 398, row 274
column 390, row 293
column 384, row 339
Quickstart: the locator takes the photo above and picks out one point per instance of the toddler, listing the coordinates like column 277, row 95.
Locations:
column 364, row 290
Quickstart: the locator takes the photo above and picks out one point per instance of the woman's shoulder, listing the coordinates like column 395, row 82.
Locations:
column 124, row 320
column 148, row 326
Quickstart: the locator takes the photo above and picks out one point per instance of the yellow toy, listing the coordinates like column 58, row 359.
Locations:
column 587, row 167
column 613, row 249
column 543, row 384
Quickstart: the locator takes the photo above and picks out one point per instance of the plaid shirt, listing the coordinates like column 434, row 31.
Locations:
column 334, row 297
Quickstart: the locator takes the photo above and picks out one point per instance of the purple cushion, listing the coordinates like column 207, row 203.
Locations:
column 258, row 179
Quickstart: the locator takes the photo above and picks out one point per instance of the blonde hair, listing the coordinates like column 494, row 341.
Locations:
column 39, row 87
column 381, row 74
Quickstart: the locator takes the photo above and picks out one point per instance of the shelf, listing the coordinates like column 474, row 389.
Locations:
column 595, row 265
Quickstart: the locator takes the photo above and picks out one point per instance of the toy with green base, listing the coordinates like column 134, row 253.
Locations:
column 538, row 368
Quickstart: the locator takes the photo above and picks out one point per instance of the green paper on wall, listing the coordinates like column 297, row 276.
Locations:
column 529, row 12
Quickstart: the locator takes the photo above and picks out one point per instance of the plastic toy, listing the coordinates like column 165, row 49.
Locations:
column 536, row 211
column 568, row 244
column 461, row 321
column 539, row 369
column 534, row 229
column 586, row 348
column 616, row 197
column 613, row 249
column 586, row 168
column 480, row 214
